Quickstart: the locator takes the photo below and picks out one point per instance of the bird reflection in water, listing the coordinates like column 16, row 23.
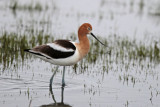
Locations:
column 57, row 104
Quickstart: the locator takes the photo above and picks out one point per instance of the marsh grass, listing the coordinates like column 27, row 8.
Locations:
column 12, row 47
column 127, row 58
column 37, row 6
column 125, row 49
column 128, row 52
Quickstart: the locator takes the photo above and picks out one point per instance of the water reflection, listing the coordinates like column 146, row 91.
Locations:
column 57, row 104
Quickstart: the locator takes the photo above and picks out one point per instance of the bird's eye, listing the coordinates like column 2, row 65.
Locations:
column 89, row 28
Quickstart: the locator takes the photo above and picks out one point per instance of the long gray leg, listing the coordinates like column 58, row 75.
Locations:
column 50, row 85
column 63, row 82
column 51, row 79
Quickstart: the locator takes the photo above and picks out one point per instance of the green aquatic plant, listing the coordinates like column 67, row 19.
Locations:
column 118, row 50
column 12, row 47
column 15, row 5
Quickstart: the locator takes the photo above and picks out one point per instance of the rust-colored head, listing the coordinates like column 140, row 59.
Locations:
column 85, row 29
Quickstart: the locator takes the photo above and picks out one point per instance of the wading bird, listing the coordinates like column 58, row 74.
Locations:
column 65, row 52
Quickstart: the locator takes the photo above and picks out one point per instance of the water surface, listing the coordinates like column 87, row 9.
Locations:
column 127, row 76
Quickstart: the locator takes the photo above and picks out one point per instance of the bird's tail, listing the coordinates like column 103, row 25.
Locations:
column 26, row 50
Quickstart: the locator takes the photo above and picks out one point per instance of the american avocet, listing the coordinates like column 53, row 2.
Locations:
column 65, row 52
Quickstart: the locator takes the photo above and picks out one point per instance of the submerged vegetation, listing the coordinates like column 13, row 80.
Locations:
column 12, row 47
column 125, row 49
column 37, row 6
column 119, row 49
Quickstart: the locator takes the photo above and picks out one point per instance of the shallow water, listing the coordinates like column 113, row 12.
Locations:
column 93, row 87
column 128, row 76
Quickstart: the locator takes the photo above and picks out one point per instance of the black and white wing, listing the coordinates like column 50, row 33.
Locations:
column 56, row 50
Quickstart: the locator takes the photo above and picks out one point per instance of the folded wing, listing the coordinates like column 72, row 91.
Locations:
column 56, row 50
